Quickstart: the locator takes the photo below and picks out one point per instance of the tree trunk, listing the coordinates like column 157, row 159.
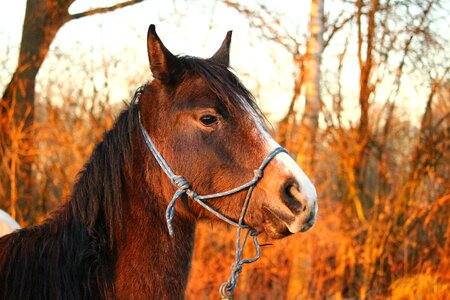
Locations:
column 310, row 119
column 43, row 19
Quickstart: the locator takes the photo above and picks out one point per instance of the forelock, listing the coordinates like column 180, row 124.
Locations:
column 222, row 82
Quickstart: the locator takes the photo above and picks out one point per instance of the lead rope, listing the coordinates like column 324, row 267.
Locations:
column 227, row 288
column 183, row 187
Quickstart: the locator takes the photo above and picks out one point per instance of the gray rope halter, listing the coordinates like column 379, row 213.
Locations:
column 183, row 187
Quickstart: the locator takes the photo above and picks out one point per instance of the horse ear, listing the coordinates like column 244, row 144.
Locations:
column 163, row 64
column 222, row 56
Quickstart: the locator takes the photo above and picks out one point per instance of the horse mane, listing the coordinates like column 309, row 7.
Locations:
column 97, row 194
column 75, row 247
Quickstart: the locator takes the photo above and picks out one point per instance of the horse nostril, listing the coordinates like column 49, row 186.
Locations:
column 293, row 198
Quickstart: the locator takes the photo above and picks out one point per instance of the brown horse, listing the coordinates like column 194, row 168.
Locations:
column 111, row 240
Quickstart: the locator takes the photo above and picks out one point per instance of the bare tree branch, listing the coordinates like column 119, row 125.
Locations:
column 335, row 28
column 101, row 10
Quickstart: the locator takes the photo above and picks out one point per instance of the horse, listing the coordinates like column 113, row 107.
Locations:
column 7, row 223
column 110, row 240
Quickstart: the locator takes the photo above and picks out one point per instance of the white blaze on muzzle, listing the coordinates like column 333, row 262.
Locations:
column 285, row 165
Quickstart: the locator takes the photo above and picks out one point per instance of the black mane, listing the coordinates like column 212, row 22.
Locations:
column 97, row 194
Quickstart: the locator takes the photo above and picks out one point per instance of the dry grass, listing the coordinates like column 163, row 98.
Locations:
column 420, row 286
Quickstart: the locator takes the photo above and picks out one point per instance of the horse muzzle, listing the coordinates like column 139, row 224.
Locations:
column 295, row 207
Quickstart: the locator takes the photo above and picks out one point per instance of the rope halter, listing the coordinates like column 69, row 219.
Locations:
column 183, row 187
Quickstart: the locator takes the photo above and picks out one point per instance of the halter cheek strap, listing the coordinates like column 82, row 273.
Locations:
column 183, row 187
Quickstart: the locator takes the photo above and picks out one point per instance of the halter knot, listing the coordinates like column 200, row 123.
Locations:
column 253, row 232
column 191, row 194
column 237, row 268
column 181, row 183
column 258, row 174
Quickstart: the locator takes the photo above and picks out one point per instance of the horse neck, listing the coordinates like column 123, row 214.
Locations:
column 149, row 260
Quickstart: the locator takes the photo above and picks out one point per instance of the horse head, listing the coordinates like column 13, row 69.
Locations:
column 207, row 127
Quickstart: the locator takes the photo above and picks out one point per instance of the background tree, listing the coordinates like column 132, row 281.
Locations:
column 310, row 118
column 43, row 19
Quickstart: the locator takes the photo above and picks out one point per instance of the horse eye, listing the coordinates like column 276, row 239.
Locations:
column 208, row 120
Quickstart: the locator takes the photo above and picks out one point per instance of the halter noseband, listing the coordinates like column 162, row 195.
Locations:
column 183, row 187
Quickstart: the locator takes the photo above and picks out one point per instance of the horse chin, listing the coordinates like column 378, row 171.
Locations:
column 273, row 226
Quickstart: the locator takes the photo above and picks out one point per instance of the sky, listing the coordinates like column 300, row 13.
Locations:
column 186, row 27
